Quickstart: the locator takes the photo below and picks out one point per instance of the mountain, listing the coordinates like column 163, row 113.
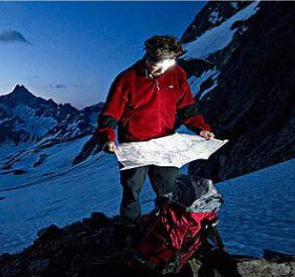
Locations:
column 240, row 66
column 26, row 118
column 240, row 61
column 212, row 15
column 31, row 127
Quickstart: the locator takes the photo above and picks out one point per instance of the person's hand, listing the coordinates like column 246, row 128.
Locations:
column 109, row 147
column 207, row 134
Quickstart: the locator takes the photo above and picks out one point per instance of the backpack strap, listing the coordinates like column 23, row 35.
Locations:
column 217, row 237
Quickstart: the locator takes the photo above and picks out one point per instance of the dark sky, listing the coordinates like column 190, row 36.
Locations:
column 71, row 51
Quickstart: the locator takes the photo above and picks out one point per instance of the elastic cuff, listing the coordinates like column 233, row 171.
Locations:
column 103, row 147
column 206, row 127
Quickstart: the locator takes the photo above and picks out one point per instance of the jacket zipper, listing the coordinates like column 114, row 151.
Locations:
column 159, row 105
column 157, row 84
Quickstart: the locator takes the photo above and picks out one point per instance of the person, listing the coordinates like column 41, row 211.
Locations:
column 148, row 100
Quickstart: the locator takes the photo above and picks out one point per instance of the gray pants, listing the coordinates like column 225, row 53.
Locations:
column 162, row 180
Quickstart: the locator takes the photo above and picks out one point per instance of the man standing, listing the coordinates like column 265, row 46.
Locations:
column 149, row 100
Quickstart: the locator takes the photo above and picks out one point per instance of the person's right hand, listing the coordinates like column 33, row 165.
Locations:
column 109, row 147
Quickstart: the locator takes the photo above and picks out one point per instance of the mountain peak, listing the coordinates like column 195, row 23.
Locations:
column 19, row 95
column 21, row 89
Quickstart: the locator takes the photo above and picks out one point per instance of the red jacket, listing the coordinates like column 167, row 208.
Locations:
column 146, row 108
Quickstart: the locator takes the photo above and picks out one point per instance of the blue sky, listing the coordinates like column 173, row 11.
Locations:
column 71, row 51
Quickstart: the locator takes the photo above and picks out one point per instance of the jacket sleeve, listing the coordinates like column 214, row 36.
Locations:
column 111, row 112
column 187, row 111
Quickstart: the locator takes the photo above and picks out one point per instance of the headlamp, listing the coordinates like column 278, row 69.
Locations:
column 164, row 64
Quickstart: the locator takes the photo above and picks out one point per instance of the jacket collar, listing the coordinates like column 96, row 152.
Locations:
column 142, row 70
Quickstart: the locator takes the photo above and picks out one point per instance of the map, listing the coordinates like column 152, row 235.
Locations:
column 174, row 150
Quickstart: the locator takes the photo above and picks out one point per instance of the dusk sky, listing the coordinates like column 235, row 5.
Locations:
column 71, row 51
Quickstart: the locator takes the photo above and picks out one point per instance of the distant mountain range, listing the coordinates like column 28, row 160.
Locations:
column 29, row 123
column 27, row 118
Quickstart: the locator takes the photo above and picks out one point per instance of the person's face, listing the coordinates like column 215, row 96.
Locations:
column 158, row 68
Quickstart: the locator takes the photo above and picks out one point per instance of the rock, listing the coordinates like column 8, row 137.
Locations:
column 97, row 220
column 52, row 232
column 253, row 102
column 97, row 247
column 38, row 266
column 222, row 264
column 277, row 256
column 10, row 271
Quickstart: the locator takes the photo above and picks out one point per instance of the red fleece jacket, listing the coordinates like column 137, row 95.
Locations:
column 146, row 108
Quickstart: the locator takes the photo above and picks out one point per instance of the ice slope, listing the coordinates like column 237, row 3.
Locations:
column 217, row 38
column 259, row 209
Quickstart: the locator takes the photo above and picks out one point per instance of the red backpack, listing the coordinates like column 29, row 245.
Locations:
column 177, row 228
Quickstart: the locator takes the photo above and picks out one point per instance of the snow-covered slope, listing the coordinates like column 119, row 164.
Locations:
column 34, row 131
column 258, row 212
column 39, row 163
column 219, row 37
column 211, row 39
column 240, row 59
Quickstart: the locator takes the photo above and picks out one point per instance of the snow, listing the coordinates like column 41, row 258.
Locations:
column 214, row 16
column 9, row 148
column 25, row 119
column 205, row 92
column 195, row 83
column 217, row 38
column 58, row 160
column 234, row 5
column 259, row 209
column 33, row 124
column 60, row 199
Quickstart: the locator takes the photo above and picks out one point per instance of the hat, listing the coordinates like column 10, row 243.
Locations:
column 162, row 47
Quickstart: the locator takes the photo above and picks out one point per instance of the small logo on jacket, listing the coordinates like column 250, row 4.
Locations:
column 170, row 86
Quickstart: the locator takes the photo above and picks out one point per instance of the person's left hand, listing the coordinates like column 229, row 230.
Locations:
column 207, row 134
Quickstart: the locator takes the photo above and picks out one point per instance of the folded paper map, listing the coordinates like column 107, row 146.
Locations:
column 175, row 150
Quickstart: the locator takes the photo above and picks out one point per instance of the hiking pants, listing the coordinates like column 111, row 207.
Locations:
column 161, row 178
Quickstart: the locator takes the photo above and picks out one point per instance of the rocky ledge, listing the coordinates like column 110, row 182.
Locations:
column 96, row 246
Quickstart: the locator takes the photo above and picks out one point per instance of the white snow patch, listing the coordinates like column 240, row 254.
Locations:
column 195, row 83
column 35, row 125
column 208, row 90
column 214, row 17
column 58, row 160
column 217, row 38
column 8, row 148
